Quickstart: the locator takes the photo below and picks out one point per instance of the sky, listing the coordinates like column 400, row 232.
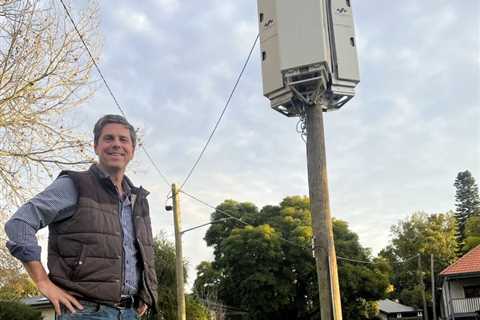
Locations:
column 394, row 149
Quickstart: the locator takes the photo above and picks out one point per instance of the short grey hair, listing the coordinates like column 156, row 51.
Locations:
column 113, row 118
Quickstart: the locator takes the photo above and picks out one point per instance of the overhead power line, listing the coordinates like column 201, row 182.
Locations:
column 92, row 58
column 214, row 208
column 164, row 178
column 281, row 238
column 239, row 220
column 195, row 164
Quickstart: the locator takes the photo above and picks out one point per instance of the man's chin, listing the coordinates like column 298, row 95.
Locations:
column 113, row 166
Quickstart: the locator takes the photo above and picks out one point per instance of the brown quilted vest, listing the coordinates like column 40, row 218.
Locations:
column 85, row 252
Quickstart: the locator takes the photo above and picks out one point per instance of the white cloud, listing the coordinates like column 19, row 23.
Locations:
column 168, row 6
column 133, row 20
column 394, row 149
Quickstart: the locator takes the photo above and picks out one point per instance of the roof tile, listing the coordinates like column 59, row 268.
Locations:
column 469, row 263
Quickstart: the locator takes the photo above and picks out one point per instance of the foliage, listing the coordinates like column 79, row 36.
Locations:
column 18, row 311
column 44, row 72
column 195, row 310
column 167, row 286
column 166, row 277
column 472, row 233
column 420, row 234
column 467, row 203
column 15, row 285
column 362, row 285
column 207, row 281
column 266, row 269
column 413, row 296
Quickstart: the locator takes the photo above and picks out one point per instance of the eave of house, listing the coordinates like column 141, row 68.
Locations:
column 465, row 275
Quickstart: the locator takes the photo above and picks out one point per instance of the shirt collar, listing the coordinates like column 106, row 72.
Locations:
column 126, row 183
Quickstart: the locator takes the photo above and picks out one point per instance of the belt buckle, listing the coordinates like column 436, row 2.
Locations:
column 125, row 302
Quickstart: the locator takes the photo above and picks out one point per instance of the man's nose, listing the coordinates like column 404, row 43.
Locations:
column 116, row 143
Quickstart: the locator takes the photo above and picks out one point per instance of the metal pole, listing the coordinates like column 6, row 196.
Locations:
column 181, row 315
column 422, row 287
column 324, row 248
column 432, row 272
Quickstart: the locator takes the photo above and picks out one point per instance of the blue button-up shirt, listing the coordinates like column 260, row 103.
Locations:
column 57, row 202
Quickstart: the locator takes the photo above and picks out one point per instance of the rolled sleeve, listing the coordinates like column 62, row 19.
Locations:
column 55, row 203
column 23, row 244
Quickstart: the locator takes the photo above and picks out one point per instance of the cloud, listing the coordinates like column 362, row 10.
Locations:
column 394, row 149
column 133, row 20
column 169, row 6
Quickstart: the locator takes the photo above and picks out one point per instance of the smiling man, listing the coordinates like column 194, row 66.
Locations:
column 100, row 246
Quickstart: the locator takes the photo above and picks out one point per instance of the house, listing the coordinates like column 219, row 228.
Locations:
column 461, row 287
column 43, row 305
column 390, row 310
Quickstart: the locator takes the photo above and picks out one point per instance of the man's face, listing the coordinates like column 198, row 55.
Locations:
column 114, row 147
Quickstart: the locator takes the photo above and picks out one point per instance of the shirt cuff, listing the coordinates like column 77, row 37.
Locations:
column 25, row 253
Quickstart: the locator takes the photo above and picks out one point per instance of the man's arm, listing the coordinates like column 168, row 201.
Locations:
column 55, row 294
column 54, row 203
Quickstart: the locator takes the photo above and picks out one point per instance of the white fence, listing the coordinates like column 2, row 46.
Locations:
column 468, row 305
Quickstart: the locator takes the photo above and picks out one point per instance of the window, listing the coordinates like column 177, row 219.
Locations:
column 472, row 291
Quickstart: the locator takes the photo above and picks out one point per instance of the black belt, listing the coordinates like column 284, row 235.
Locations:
column 126, row 302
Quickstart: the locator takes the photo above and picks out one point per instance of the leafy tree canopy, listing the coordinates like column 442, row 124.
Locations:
column 266, row 269
column 472, row 233
column 15, row 285
column 467, row 203
column 420, row 234
column 18, row 311
column 166, row 277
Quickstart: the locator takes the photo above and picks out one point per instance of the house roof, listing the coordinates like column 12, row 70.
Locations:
column 469, row 263
column 389, row 306
column 39, row 301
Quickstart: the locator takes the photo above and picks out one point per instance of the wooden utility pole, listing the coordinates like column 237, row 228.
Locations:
column 181, row 315
column 432, row 272
column 422, row 287
column 324, row 247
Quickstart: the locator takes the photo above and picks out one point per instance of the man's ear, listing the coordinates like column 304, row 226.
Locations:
column 95, row 149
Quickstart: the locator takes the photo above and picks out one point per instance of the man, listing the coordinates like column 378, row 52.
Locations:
column 100, row 246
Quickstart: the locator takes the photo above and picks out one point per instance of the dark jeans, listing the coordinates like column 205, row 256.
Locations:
column 94, row 311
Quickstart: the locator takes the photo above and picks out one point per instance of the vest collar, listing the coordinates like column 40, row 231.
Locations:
column 127, row 183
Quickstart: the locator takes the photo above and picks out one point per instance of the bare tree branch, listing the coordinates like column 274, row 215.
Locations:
column 44, row 73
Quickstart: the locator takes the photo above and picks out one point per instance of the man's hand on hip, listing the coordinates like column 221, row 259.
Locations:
column 55, row 294
column 58, row 296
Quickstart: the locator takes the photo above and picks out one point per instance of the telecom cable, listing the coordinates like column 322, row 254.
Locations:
column 164, row 178
column 195, row 164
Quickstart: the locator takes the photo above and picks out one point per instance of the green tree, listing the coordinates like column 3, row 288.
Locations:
column 472, row 233
column 267, row 270
column 361, row 284
column 467, row 203
column 15, row 285
column 18, row 311
column 195, row 309
column 207, row 282
column 167, row 285
column 420, row 234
